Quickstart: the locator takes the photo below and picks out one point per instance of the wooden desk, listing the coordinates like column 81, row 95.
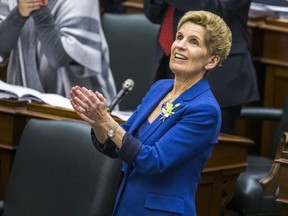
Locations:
column 218, row 179
column 134, row 6
column 3, row 73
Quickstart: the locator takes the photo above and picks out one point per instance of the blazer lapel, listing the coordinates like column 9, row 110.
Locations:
column 147, row 107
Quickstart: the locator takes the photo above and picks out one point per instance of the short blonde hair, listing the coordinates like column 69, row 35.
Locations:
column 218, row 37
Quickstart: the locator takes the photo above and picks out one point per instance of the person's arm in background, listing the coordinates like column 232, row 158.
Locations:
column 154, row 10
column 10, row 29
column 50, row 37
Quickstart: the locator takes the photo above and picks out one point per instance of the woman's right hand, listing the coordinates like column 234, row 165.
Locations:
column 25, row 7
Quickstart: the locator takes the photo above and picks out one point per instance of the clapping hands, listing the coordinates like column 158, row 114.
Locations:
column 90, row 106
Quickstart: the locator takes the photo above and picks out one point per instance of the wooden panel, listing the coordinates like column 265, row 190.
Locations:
column 12, row 123
column 3, row 72
column 6, row 159
column 274, row 50
column 134, row 6
column 209, row 192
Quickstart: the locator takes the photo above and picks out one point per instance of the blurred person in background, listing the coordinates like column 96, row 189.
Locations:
column 52, row 45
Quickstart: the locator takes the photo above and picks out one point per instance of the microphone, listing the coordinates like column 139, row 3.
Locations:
column 127, row 86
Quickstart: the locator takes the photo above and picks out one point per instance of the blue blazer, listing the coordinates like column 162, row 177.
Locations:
column 163, row 167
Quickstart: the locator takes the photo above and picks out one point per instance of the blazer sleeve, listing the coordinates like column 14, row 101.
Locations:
column 130, row 146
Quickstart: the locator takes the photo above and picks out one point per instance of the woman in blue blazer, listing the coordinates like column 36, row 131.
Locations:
column 166, row 142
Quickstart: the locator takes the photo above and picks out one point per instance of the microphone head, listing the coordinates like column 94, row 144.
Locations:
column 128, row 84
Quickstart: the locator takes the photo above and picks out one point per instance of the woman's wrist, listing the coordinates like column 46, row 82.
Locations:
column 17, row 16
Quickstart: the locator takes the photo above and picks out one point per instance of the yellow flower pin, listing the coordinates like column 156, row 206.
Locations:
column 167, row 110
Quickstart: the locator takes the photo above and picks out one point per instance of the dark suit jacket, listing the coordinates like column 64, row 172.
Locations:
column 161, row 177
column 282, row 3
column 235, row 82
